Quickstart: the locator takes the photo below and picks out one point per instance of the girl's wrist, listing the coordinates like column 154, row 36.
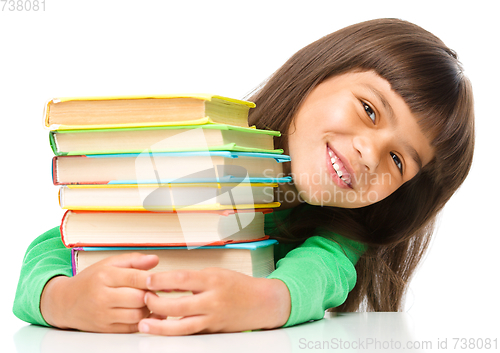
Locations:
column 278, row 301
column 52, row 300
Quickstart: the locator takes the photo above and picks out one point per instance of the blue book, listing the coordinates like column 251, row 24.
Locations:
column 254, row 259
column 170, row 167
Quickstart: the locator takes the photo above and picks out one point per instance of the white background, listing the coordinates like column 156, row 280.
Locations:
column 92, row 48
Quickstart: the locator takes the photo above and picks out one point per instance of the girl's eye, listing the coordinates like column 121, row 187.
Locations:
column 369, row 111
column 398, row 162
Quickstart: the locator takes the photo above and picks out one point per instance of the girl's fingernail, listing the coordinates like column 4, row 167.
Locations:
column 148, row 282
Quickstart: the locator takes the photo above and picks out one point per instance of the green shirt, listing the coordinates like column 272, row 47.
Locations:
column 318, row 273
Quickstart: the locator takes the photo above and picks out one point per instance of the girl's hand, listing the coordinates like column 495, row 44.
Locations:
column 105, row 297
column 222, row 301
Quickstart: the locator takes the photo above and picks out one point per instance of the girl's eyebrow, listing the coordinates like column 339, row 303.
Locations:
column 414, row 155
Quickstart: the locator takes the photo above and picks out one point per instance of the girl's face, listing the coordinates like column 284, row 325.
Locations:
column 354, row 141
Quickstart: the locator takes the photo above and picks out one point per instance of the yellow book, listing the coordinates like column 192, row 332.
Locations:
column 142, row 111
column 167, row 197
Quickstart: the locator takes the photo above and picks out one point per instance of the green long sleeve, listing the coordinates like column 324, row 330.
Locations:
column 45, row 258
column 318, row 273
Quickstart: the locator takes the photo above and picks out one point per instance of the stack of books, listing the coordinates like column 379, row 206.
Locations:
column 180, row 176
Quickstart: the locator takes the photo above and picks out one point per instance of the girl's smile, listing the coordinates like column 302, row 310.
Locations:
column 354, row 141
column 341, row 173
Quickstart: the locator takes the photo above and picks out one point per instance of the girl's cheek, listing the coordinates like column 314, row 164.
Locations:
column 343, row 122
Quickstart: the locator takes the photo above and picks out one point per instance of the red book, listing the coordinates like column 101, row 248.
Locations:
column 186, row 228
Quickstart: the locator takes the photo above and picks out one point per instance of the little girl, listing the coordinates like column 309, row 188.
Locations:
column 378, row 120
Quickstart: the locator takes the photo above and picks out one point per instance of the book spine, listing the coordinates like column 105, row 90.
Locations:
column 54, row 145
column 73, row 260
column 60, row 197
column 62, row 228
column 54, row 171
column 46, row 112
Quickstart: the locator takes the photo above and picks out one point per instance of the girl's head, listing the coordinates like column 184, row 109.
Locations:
column 389, row 101
column 354, row 141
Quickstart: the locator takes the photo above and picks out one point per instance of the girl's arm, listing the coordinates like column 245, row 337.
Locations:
column 319, row 274
column 106, row 297
column 45, row 258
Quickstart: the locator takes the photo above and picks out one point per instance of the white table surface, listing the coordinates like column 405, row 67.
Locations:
column 353, row 332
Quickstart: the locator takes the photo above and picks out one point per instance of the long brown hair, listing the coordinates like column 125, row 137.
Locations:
column 428, row 76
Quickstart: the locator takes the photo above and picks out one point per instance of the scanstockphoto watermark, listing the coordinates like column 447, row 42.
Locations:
column 324, row 195
column 362, row 344
column 166, row 181
column 370, row 343
column 22, row 5
column 325, row 179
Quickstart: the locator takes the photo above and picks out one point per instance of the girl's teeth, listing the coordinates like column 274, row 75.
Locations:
column 333, row 159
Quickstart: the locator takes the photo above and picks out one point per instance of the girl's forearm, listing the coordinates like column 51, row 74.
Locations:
column 277, row 302
column 52, row 301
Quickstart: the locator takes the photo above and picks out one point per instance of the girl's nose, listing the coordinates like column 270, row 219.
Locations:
column 368, row 148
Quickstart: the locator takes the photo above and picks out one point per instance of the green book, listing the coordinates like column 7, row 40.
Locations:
column 186, row 138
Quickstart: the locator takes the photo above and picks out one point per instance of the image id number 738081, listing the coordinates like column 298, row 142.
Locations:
column 22, row 5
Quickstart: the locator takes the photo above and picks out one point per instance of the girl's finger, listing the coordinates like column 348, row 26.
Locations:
column 125, row 297
column 178, row 307
column 133, row 260
column 122, row 328
column 128, row 316
column 185, row 326
column 184, row 280
column 156, row 316
column 126, row 277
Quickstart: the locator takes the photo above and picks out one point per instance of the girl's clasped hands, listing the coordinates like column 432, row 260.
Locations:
column 118, row 294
